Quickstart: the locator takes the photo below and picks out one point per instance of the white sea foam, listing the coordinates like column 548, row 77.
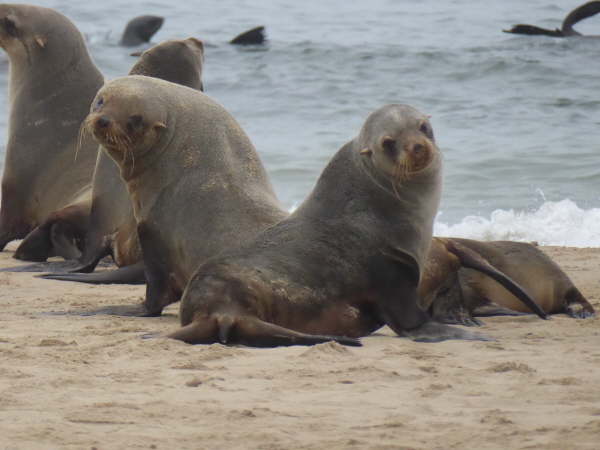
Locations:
column 554, row 223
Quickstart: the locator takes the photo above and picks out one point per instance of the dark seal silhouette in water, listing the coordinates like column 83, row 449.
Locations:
column 578, row 14
column 254, row 36
column 195, row 181
column 47, row 168
column 345, row 263
column 140, row 30
column 109, row 227
column 470, row 293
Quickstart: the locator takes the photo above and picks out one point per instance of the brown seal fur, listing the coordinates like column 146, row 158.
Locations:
column 52, row 82
column 473, row 293
column 195, row 181
column 104, row 221
column 345, row 263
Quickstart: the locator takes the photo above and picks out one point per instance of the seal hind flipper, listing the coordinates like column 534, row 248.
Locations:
column 133, row 274
column 494, row 309
column 436, row 332
column 532, row 30
column 252, row 332
column 578, row 14
column 473, row 260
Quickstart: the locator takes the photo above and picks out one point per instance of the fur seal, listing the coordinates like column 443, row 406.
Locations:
column 140, row 30
column 472, row 293
column 52, row 82
column 345, row 263
column 254, row 36
column 578, row 14
column 441, row 279
column 194, row 179
column 102, row 222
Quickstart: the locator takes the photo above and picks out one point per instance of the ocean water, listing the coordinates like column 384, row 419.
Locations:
column 517, row 117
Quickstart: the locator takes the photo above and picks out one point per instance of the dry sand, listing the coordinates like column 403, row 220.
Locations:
column 74, row 382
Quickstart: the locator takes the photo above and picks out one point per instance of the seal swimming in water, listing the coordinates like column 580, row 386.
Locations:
column 578, row 14
column 345, row 263
column 195, row 181
column 103, row 221
column 140, row 30
column 52, row 81
column 472, row 293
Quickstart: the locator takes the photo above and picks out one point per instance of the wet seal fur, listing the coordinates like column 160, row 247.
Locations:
column 578, row 14
column 468, row 293
column 48, row 164
column 345, row 263
column 194, row 179
column 140, row 30
column 103, row 220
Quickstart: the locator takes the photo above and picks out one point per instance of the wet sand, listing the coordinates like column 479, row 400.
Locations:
column 80, row 382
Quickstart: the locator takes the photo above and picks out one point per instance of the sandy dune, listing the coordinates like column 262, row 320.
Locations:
column 77, row 382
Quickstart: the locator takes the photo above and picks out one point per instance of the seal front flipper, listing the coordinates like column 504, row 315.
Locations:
column 133, row 274
column 473, row 260
column 250, row 331
column 494, row 309
column 452, row 309
column 254, row 36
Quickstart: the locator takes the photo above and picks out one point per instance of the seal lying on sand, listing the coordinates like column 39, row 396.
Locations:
column 578, row 14
column 345, row 263
column 140, row 30
column 103, row 222
column 195, row 181
column 469, row 293
column 52, row 82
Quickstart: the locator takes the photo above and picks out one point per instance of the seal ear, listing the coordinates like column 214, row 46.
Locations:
column 41, row 41
column 159, row 126
column 366, row 151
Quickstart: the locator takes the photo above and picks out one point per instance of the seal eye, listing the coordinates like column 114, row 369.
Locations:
column 10, row 27
column 389, row 147
column 426, row 130
column 134, row 122
column 98, row 104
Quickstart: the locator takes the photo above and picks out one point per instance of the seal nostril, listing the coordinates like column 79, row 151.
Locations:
column 102, row 122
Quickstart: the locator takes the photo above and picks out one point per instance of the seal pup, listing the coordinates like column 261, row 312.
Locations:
column 194, row 179
column 102, row 223
column 472, row 293
column 140, row 30
column 52, row 81
column 578, row 14
column 345, row 263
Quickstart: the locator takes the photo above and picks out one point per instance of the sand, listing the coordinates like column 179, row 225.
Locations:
column 77, row 382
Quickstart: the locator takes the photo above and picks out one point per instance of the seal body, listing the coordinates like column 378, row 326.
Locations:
column 140, row 30
column 345, row 263
column 195, row 181
column 578, row 14
column 525, row 264
column 102, row 222
column 52, row 82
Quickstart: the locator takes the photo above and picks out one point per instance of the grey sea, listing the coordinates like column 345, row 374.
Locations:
column 517, row 117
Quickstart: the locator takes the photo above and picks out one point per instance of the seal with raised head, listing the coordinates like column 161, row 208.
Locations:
column 473, row 293
column 345, row 263
column 195, row 181
column 566, row 30
column 140, row 30
column 52, row 82
column 103, row 222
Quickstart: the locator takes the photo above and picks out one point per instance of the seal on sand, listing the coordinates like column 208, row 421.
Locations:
column 52, row 82
column 140, row 29
column 108, row 225
column 474, row 293
column 441, row 280
column 345, row 263
column 195, row 181
column 578, row 14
